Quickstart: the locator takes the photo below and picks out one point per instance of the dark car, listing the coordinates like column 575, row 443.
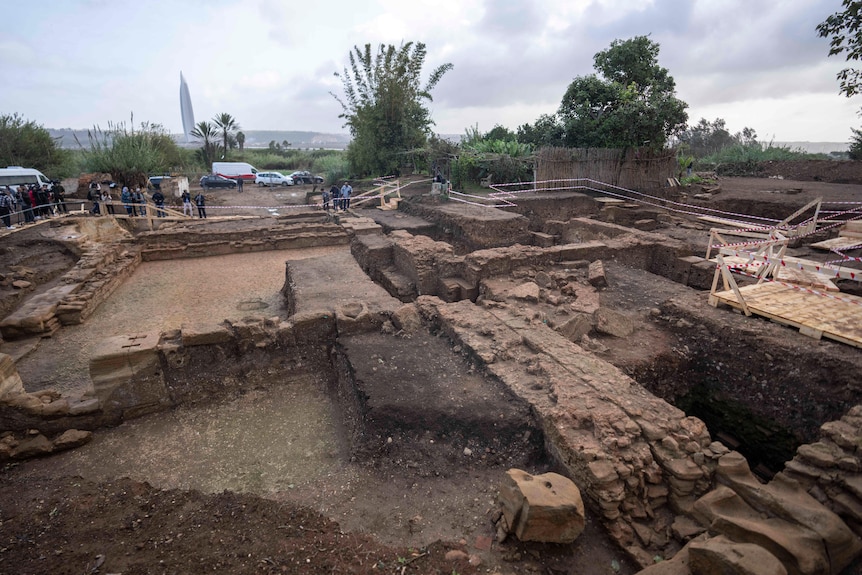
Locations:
column 305, row 178
column 211, row 181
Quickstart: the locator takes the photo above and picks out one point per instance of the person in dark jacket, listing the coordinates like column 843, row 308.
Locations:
column 200, row 202
column 159, row 200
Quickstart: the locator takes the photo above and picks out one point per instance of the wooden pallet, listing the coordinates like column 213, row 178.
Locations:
column 814, row 315
column 839, row 243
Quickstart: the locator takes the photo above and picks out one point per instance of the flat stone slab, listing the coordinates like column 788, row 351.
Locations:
column 392, row 220
column 330, row 282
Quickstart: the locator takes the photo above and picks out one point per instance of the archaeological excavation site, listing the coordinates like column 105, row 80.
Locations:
column 565, row 376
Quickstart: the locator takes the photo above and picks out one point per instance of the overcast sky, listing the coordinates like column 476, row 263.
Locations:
column 270, row 63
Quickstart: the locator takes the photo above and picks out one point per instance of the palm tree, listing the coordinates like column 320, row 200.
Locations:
column 207, row 134
column 228, row 126
column 240, row 139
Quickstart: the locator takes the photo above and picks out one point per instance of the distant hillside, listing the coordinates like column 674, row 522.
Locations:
column 304, row 140
column 815, row 147
column 253, row 138
column 262, row 138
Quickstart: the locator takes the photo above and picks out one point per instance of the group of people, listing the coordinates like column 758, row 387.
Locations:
column 31, row 202
column 135, row 201
column 340, row 197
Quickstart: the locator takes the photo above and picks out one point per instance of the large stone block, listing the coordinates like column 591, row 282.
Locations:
column 721, row 556
column 127, row 376
column 546, row 508
column 205, row 334
column 799, row 549
column 785, row 498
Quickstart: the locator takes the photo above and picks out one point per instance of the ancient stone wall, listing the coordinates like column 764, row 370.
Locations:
column 472, row 227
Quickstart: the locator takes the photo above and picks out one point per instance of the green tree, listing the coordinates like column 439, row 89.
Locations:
column 546, row 131
column 844, row 29
column 208, row 135
column 228, row 127
column 855, row 151
column 706, row 138
column 383, row 105
column 130, row 155
column 25, row 143
column 631, row 102
column 240, row 140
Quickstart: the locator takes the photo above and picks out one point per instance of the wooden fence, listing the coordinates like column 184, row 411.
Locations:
column 635, row 169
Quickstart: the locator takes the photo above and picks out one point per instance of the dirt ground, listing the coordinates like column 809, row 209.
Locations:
column 94, row 511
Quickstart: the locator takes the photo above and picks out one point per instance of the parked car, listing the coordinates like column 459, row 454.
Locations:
column 156, row 181
column 305, row 178
column 272, row 179
column 211, row 181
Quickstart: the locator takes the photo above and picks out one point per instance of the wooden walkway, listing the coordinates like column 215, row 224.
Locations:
column 837, row 317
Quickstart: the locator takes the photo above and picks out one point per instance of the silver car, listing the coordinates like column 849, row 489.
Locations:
column 272, row 179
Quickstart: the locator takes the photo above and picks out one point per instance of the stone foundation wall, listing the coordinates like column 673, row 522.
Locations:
column 474, row 227
column 99, row 271
column 654, row 474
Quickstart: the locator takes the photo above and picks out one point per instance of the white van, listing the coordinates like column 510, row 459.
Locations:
column 16, row 176
column 234, row 170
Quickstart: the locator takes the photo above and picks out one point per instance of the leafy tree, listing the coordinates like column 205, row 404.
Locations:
column 546, row 131
column 130, row 155
column 240, row 140
column 631, row 102
column 855, row 151
column 706, row 138
column 383, row 105
column 845, row 32
column 25, row 143
column 208, row 135
column 228, row 126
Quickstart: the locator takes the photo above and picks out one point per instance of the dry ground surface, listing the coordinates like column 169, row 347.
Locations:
column 263, row 483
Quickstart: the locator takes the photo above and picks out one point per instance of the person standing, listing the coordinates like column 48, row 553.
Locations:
column 108, row 201
column 59, row 196
column 27, row 205
column 94, row 194
column 187, row 203
column 325, row 197
column 335, row 194
column 200, row 202
column 346, row 190
column 159, row 200
column 128, row 202
column 141, row 200
column 6, row 208
column 239, row 181
column 17, row 204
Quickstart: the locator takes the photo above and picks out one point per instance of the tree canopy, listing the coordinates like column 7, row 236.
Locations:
column 228, row 126
column 631, row 102
column 844, row 29
column 25, row 143
column 383, row 105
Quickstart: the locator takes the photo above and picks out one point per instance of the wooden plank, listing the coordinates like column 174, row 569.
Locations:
column 726, row 222
column 814, row 315
column 836, row 243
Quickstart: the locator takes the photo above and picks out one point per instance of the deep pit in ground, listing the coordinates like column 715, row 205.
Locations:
column 761, row 388
column 400, row 437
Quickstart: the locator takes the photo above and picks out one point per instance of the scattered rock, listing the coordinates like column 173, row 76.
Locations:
column 613, row 323
column 527, row 291
column 546, row 508
column 596, row 274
